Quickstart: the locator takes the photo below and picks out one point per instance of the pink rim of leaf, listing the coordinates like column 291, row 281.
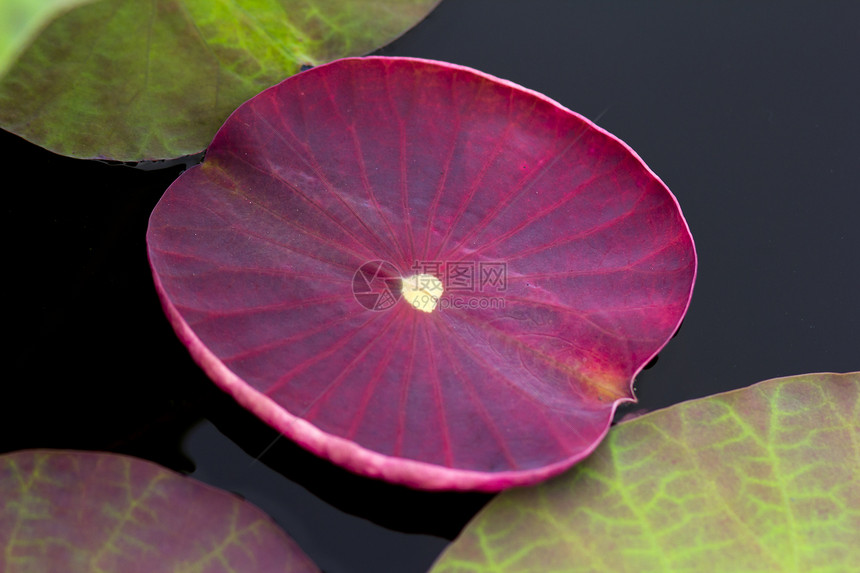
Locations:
column 565, row 262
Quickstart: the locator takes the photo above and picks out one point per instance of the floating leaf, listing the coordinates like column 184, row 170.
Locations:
column 147, row 80
column 765, row 478
column 421, row 272
column 21, row 21
column 86, row 511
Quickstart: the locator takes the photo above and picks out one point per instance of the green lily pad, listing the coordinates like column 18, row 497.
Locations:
column 132, row 80
column 21, row 21
column 84, row 512
column 766, row 478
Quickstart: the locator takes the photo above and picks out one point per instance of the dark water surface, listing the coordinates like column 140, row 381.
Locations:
column 747, row 110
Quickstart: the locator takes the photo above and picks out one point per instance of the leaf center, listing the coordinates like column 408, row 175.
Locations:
column 422, row 291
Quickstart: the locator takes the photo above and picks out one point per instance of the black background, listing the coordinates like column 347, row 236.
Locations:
column 747, row 110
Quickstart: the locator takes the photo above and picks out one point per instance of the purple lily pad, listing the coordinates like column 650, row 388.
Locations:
column 422, row 272
column 86, row 511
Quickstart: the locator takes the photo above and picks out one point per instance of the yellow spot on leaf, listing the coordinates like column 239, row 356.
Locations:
column 422, row 291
